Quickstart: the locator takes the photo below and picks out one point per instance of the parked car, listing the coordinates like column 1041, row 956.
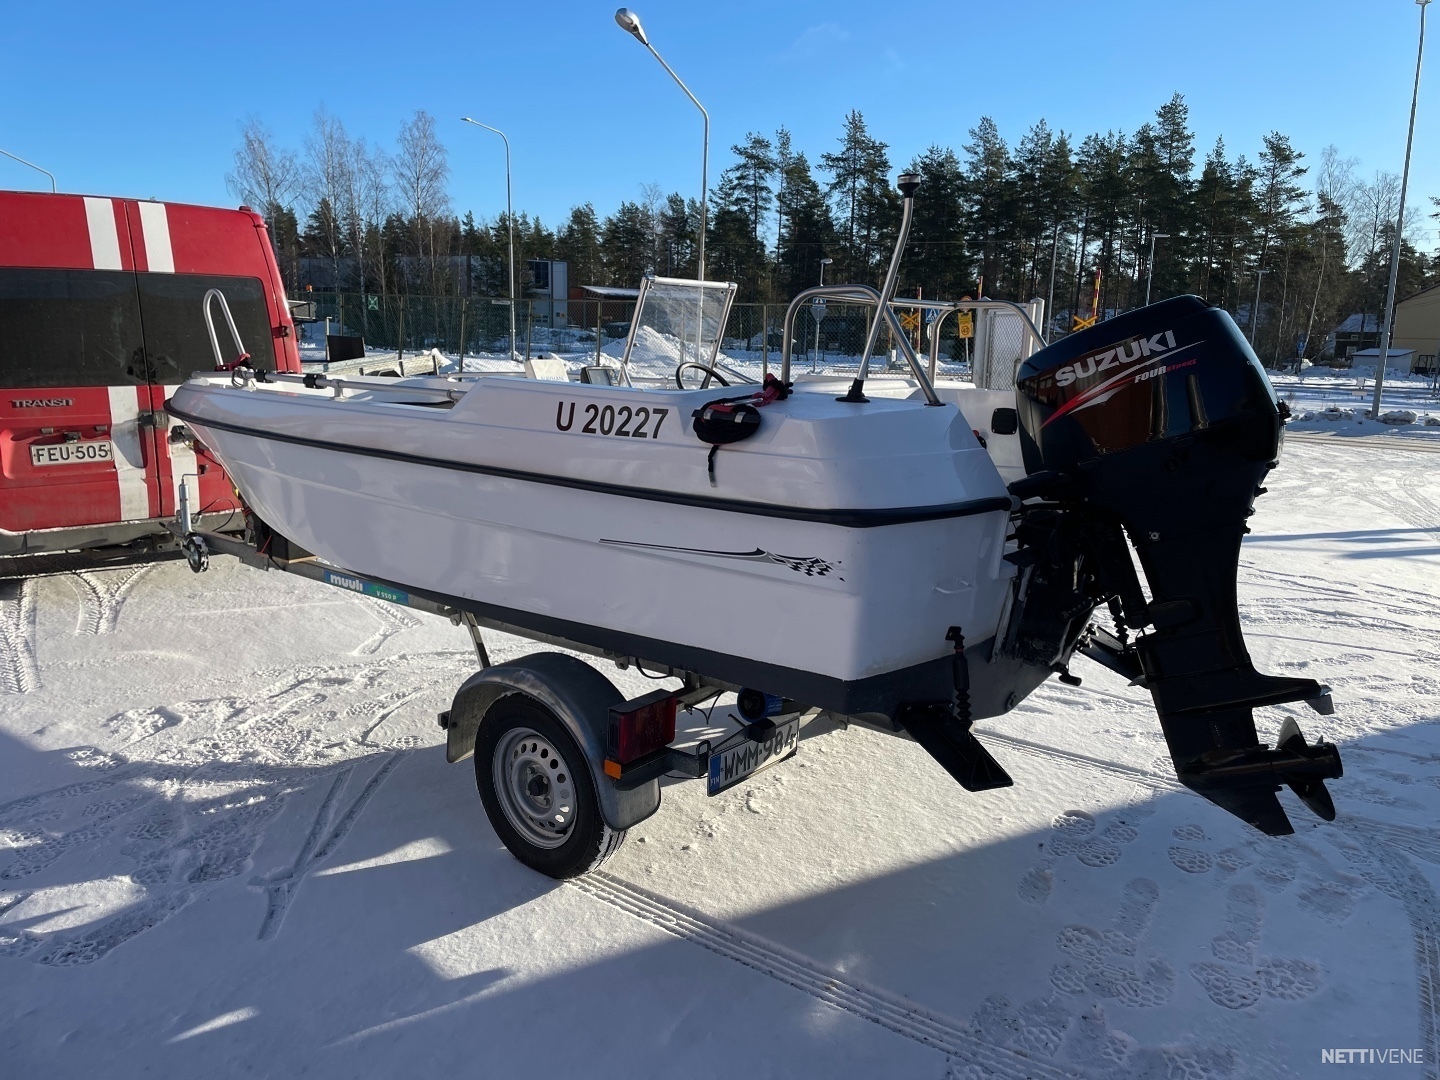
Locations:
column 100, row 320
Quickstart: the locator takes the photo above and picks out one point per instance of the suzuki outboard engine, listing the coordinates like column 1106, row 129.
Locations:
column 1161, row 423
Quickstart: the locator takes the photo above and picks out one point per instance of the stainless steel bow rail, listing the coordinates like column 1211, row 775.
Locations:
column 886, row 305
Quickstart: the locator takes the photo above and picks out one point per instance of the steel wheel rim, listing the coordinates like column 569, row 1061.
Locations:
column 535, row 787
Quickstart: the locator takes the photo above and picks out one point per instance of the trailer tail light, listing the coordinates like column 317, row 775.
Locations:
column 641, row 727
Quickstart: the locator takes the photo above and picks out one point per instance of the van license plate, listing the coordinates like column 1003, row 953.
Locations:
column 72, row 453
column 738, row 763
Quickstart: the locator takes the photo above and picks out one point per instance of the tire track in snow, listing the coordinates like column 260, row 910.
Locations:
column 315, row 850
column 102, row 594
column 393, row 620
column 1132, row 773
column 19, row 671
column 890, row 1011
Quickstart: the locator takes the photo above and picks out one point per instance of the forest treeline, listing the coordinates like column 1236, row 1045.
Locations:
column 1039, row 218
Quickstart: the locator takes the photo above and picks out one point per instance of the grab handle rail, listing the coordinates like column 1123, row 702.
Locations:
column 220, row 364
column 859, row 294
column 1027, row 323
column 374, row 384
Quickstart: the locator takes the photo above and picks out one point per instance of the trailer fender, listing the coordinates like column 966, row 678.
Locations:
column 581, row 699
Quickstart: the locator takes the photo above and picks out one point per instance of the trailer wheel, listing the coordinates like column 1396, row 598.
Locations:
column 538, row 791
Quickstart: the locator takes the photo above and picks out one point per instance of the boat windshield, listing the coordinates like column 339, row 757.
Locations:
column 678, row 321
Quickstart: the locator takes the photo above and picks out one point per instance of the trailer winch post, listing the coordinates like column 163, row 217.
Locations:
column 197, row 553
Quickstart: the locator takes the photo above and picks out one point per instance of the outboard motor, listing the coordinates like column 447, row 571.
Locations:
column 1161, row 423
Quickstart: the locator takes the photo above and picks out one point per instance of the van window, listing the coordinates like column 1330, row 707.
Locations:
column 175, row 336
column 69, row 328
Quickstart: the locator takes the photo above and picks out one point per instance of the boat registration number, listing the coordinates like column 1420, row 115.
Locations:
column 738, row 763
column 622, row 422
column 72, row 453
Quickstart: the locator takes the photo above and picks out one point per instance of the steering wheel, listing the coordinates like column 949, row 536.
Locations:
column 710, row 373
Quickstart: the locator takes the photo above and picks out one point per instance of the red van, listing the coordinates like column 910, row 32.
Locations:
column 100, row 319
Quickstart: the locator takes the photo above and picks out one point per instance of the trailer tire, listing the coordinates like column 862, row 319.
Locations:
column 538, row 790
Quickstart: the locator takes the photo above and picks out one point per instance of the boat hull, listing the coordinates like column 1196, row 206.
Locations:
column 839, row 607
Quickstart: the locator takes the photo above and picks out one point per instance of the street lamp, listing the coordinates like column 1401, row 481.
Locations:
column 630, row 23
column 1150, row 274
column 47, row 172
column 819, row 300
column 510, row 221
column 1384, row 349
column 1255, row 309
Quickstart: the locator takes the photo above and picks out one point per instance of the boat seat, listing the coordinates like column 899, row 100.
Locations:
column 547, row 368
column 600, row 376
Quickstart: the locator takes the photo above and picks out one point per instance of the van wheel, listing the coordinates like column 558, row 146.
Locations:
column 538, row 791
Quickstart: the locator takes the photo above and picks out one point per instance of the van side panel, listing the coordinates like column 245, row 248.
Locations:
column 44, row 230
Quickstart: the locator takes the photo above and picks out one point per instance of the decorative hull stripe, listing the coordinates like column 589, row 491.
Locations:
column 851, row 519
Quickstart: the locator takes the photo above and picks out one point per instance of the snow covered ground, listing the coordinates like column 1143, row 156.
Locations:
column 230, row 845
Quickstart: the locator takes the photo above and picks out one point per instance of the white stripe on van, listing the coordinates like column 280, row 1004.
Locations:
column 129, row 460
column 155, row 227
column 104, row 239
column 182, row 464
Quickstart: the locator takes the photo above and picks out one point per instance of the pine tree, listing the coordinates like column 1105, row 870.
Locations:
column 864, row 204
column 627, row 239
column 807, row 234
column 989, row 198
column 732, row 251
column 678, row 231
column 578, row 242
column 753, row 172
column 1104, row 202
column 937, row 260
column 1279, row 200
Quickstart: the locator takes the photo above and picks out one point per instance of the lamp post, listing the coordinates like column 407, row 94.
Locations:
column 1255, row 308
column 47, row 172
column 1150, row 273
column 630, row 23
column 1384, row 347
column 819, row 300
column 510, row 221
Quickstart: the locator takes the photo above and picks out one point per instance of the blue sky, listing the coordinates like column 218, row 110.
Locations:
column 146, row 98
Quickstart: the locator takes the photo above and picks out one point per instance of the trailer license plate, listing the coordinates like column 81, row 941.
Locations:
column 72, row 453
column 738, row 763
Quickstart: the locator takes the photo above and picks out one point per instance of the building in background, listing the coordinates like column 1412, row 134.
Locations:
column 1358, row 331
column 546, row 282
column 1405, row 361
column 1417, row 327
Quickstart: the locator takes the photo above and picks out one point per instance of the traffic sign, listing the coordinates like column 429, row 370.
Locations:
column 910, row 320
column 965, row 325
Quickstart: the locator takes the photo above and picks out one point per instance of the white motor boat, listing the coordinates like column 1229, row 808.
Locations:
column 861, row 555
